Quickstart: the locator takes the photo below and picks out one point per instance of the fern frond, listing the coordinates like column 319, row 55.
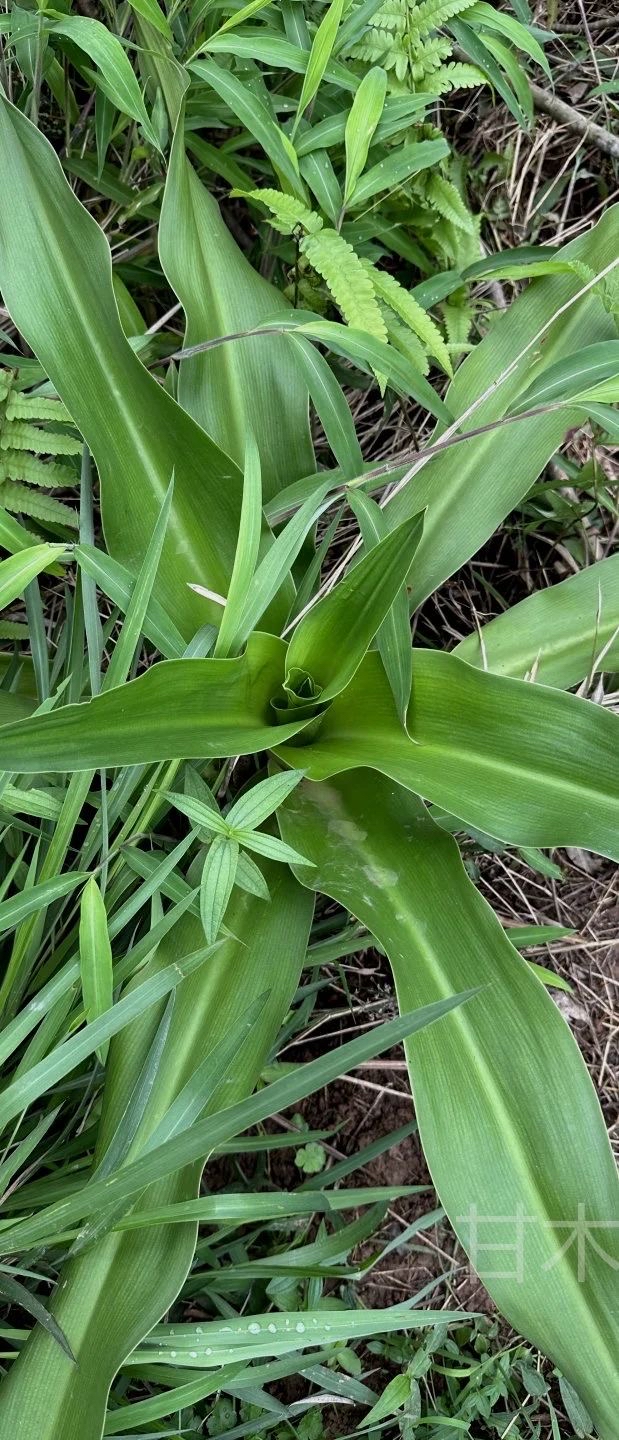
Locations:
column 22, row 436
column 20, row 500
column 21, row 465
column 457, row 76
column 13, row 630
column 412, row 313
column 347, row 278
column 449, row 203
column 287, row 213
column 374, row 49
column 402, row 339
column 392, row 15
column 431, row 14
column 35, row 407
column 458, row 319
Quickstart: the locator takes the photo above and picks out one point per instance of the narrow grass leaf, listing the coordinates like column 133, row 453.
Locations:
column 37, row 897
column 19, row 570
column 330, row 405
column 248, row 545
column 96, row 967
column 35, row 1082
column 18, row 1294
column 394, row 636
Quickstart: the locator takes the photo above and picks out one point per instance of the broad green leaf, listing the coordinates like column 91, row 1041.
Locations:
column 245, row 385
column 394, row 636
column 38, row 897
column 220, row 707
column 558, row 636
column 116, row 76
column 247, row 548
column 524, row 763
column 330, row 641
column 139, row 1276
column 502, row 1095
column 55, row 275
column 463, row 508
column 17, row 572
column 96, row 968
column 262, row 800
column 587, row 367
column 216, row 884
column 319, row 56
column 365, row 113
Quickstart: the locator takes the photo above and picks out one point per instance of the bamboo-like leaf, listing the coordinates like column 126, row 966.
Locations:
column 245, row 385
column 253, row 113
column 319, row 56
column 116, row 76
column 330, row 641
column 55, row 275
column 511, row 1082
column 463, row 509
column 118, row 584
column 221, row 707
column 40, row 1077
column 558, row 636
column 527, row 764
column 365, row 113
column 129, row 638
column 96, row 967
column 400, row 166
